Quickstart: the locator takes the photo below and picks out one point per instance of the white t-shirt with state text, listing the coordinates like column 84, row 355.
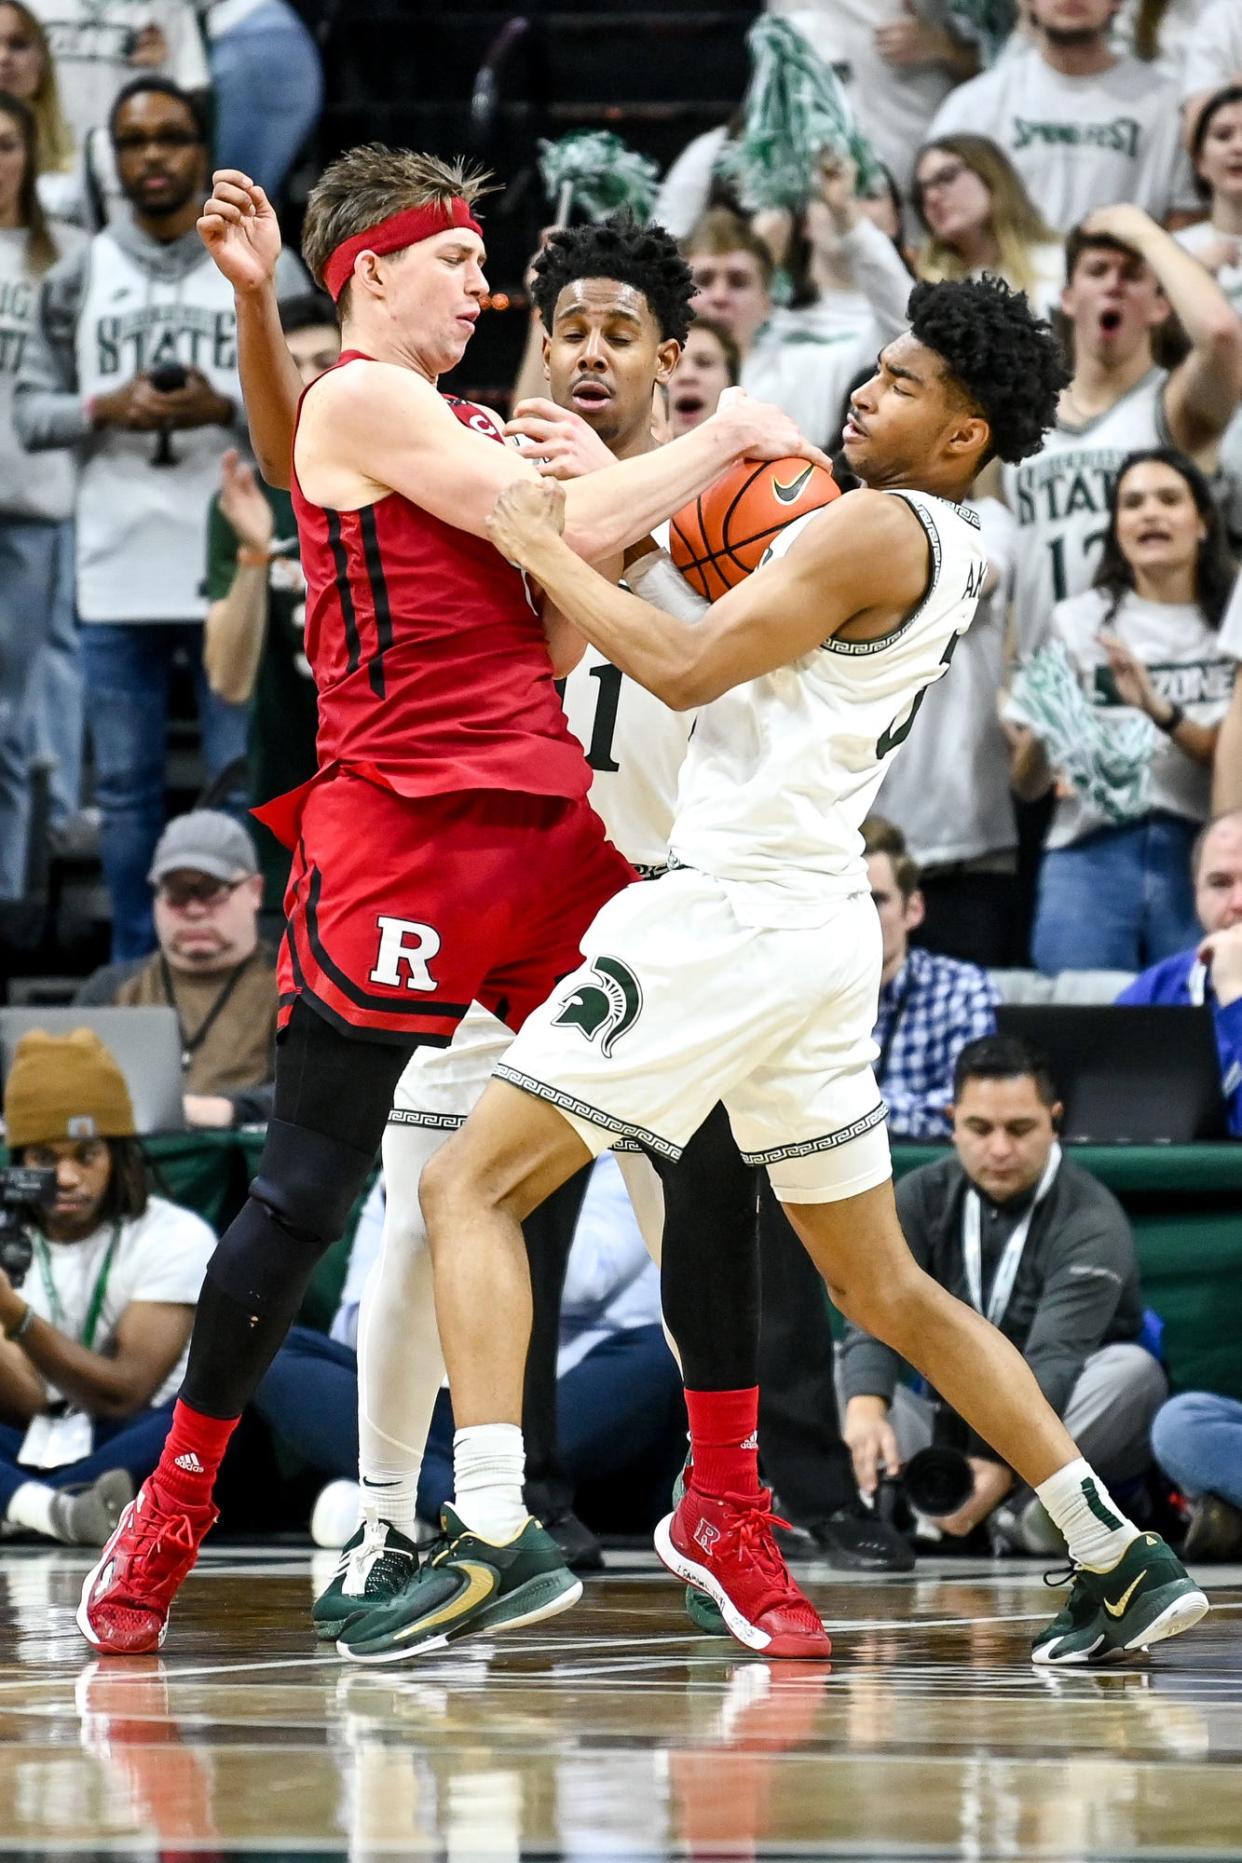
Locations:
column 1079, row 143
column 1188, row 665
column 161, row 1256
column 1060, row 498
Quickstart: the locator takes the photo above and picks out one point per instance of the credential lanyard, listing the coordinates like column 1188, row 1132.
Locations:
column 1011, row 1260
column 98, row 1295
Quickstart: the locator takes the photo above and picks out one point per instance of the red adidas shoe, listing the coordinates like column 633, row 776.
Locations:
column 725, row 1547
column 127, row 1596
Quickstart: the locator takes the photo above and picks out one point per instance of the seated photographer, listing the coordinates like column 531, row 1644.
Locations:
column 1040, row 1248
column 1210, row 971
column 210, row 966
column 97, row 1295
column 930, row 1006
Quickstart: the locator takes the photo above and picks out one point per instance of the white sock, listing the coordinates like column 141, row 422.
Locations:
column 390, row 1494
column 489, row 1465
column 400, row 1364
column 1096, row 1531
column 31, row 1508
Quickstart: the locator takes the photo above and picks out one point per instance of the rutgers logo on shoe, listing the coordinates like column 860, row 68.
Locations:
column 607, row 1008
column 706, row 1535
column 405, row 950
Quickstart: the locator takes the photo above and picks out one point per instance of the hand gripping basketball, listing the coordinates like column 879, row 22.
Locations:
column 722, row 535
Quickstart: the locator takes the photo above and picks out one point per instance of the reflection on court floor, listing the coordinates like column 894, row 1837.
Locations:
column 620, row 1732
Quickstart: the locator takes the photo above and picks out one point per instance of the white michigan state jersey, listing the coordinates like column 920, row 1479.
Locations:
column 782, row 771
column 635, row 745
column 1060, row 497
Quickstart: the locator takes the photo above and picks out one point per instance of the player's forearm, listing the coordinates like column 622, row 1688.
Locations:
column 233, row 635
column 608, row 509
column 646, row 644
column 270, row 382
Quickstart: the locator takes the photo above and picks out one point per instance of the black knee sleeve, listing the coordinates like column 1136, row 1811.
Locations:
column 308, row 1181
column 298, row 1206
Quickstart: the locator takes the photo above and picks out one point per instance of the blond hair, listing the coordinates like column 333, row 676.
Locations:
column 55, row 147
column 371, row 183
column 1015, row 222
column 721, row 231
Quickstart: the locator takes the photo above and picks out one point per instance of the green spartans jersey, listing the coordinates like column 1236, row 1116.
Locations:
column 1059, row 497
column 284, row 715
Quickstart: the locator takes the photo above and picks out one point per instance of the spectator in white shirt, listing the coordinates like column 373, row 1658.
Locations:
column 97, row 1334
column 1116, row 894
column 1083, row 127
column 1213, row 57
column 99, row 45
column 1216, row 151
column 28, row 73
column 979, row 218
column 805, row 358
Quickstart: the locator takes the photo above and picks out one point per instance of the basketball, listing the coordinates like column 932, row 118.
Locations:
column 720, row 536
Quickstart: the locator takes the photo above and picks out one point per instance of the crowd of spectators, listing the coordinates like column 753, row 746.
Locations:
column 1071, row 797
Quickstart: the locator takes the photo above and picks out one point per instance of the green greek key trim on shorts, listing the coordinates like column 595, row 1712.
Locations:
column 440, row 1122
column 829, row 1142
column 555, row 1096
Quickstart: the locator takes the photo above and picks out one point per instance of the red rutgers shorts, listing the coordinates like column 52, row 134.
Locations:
column 402, row 909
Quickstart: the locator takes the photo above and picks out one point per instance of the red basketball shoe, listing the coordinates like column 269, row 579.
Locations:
column 725, row 1548
column 127, row 1596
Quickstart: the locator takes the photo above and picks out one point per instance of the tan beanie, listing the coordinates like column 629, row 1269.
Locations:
column 65, row 1086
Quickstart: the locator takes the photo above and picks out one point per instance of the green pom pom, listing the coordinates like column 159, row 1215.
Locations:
column 795, row 108
column 595, row 171
column 1106, row 758
column 985, row 23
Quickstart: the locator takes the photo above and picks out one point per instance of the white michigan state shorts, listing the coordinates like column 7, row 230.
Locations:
column 441, row 1086
column 680, row 1003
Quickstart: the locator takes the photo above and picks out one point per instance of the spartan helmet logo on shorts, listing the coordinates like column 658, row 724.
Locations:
column 607, row 1008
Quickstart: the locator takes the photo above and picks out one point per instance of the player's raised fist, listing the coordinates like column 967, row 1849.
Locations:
column 758, row 430
column 239, row 228
column 527, row 514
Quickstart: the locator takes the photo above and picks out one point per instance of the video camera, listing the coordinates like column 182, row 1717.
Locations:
column 935, row 1482
column 26, row 1193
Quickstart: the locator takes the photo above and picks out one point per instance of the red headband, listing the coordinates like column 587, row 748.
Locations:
column 393, row 235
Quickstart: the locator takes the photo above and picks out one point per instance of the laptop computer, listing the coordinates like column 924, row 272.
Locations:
column 1141, row 1075
column 145, row 1043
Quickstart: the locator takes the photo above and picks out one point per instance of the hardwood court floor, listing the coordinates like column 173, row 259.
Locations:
column 613, row 1731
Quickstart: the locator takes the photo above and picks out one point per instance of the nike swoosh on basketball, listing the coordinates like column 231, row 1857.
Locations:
column 790, row 494
column 1118, row 1609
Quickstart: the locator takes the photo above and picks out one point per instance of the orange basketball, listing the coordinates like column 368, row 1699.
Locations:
column 720, row 536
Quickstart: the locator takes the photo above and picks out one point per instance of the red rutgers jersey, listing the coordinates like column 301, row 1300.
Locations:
column 429, row 657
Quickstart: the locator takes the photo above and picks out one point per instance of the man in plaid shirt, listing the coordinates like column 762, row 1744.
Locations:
column 930, row 1006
